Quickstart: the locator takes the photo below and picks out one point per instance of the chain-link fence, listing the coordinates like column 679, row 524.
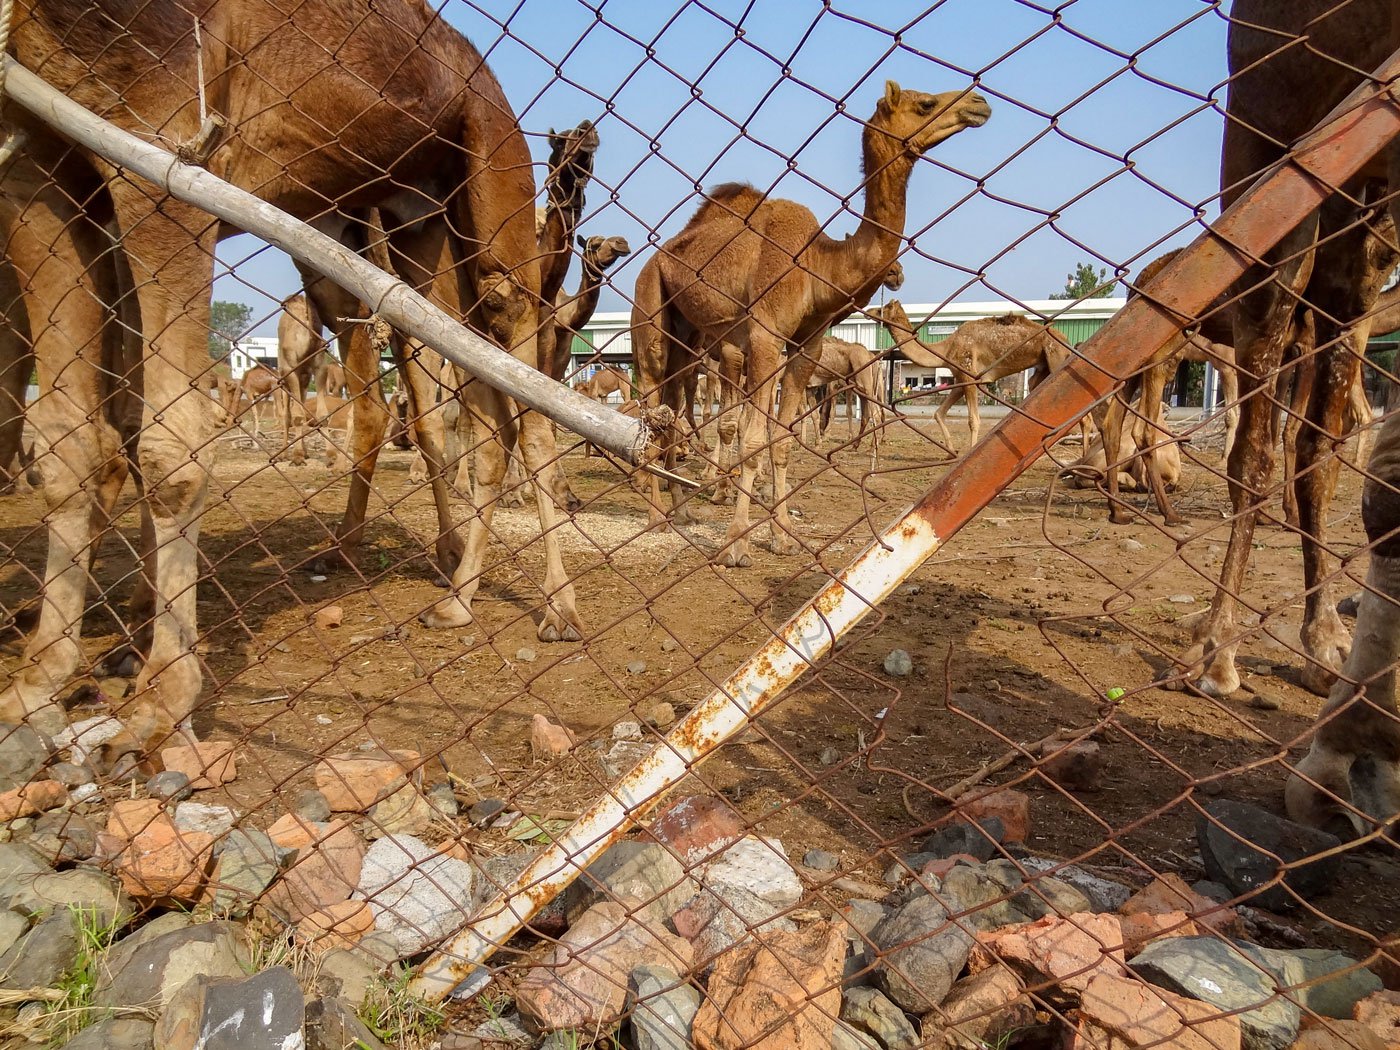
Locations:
column 662, row 440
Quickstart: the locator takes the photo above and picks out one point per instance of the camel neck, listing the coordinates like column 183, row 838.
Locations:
column 887, row 169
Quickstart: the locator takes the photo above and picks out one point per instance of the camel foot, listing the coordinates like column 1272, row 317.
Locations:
column 569, row 504
column 1218, row 679
column 734, row 555
column 1316, row 679
column 124, row 661
column 1348, row 605
column 1326, row 645
column 329, row 561
column 1345, row 782
column 512, row 500
column 782, row 542
column 124, row 758
column 560, row 627
column 1120, row 515
column 450, row 612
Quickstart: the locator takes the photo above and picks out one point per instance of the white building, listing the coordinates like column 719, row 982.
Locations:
column 253, row 350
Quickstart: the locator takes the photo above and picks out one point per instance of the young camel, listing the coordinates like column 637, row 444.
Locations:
column 403, row 113
column 854, row 368
column 1335, row 262
column 760, row 274
column 978, row 352
column 259, row 386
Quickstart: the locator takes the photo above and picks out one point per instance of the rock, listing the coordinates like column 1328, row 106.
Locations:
column 405, row 812
column 208, row 764
column 348, row 974
column 262, row 1012
column 981, row 1011
column 1340, row 1035
column 922, row 954
column 354, row 782
column 148, row 970
column 1012, row 808
column 1307, row 974
column 1142, row 928
column 130, row 817
column 443, row 800
column 29, row 799
column 214, row 821
column 1225, row 831
column 341, row 925
column 978, row 889
column 637, row 667
column 847, row 1037
column 899, row 664
column 169, row 786
column 310, row 805
column 860, row 917
column 582, row 981
column 161, row 861
column 327, row 867
column 1120, row 1012
column 1075, row 766
column 1103, row 894
column 661, row 1008
column 1380, row 1012
column 1131, row 546
column 44, row 954
column 697, row 828
column 13, row 926
column 482, row 813
column 1065, row 952
column 1265, row 702
column 660, row 715
column 16, row 862
column 526, row 655
column 820, row 860
column 623, row 755
column 777, row 990
column 503, row 1030
column 82, row 738
column 332, row 1025
column 419, row 895
column 548, row 740
column 869, row 1010
column 114, row 1033
column 712, row 925
column 328, row 618
column 93, row 892
column 1182, row 599
column 643, row 876
column 756, row 866
column 669, row 645
column 829, row 756
column 979, row 840
column 70, row 775
column 247, row 864
column 627, row 731
column 1219, row 974
column 64, row 837
column 1168, row 894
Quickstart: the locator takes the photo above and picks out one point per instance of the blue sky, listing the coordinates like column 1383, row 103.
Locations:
column 1105, row 134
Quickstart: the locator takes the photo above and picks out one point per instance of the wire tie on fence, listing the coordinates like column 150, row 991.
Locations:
column 199, row 149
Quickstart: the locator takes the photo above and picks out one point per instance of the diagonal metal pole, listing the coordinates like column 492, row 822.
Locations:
column 385, row 294
column 1355, row 132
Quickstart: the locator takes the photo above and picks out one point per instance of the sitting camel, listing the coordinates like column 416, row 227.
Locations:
column 979, row 352
column 1091, row 469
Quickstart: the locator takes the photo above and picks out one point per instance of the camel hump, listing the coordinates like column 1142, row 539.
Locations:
column 1010, row 319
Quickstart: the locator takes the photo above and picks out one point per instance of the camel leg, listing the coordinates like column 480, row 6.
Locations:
column 1300, row 394
column 1111, row 430
column 1150, row 406
column 796, row 375
column 1360, row 416
column 420, row 376
column 1230, row 384
column 1350, row 777
column 561, row 621
column 973, row 395
column 16, row 366
column 940, row 416
column 730, row 377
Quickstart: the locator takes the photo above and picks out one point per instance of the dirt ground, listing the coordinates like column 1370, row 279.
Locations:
column 1017, row 627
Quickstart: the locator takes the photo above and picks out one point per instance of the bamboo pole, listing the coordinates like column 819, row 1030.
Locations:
column 385, row 294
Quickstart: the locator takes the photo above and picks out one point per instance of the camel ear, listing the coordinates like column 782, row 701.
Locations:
column 891, row 99
column 582, row 241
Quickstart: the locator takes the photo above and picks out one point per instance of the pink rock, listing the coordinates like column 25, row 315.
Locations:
column 548, row 740
column 1074, row 765
column 1012, row 808
column 1340, row 1035
column 354, row 782
column 940, row 866
column 325, row 871
column 208, row 763
column 161, row 862
column 1067, row 951
column 131, row 816
column 1117, row 1013
column 979, row 1010
column 341, row 925
column 698, row 828
column 774, row 991
column 1142, row 927
column 1170, row 893
column 582, row 982
column 1380, row 1012
column 34, row 797
column 329, row 617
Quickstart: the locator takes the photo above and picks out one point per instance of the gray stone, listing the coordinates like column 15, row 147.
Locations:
column 829, row 756
column 623, row 755
column 1239, row 843
column 1103, row 894
column 418, row 894
column 871, row 1011
column 1043, row 895
column 921, row 954
column 1218, row 973
column 198, row 816
column 820, row 860
column 82, row 888
column 248, row 862
column 17, row 861
column 505, row 1029
column 82, row 738
column 719, row 923
column 115, row 1033
column 64, row 837
column 644, row 876
column 444, row 800
column 309, row 804
column 12, row 927
column 758, row 867
column 636, row 667
column 332, row 1025
column 348, row 974
column 907, row 867
column 22, row 753
column 405, row 812
column 978, row 841
column 526, row 655
column 152, row 970
column 628, row 730
column 262, row 1012
column 899, row 664
column 669, row 645
column 170, row 786
column 1306, row 972
column 44, row 954
column 860, row 917
column 485, row 811
column 1213, row 890
column 662, row 1008
column 845, row 1037
column 70, row 775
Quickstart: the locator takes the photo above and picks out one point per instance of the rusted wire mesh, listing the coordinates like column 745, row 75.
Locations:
column 319, row 647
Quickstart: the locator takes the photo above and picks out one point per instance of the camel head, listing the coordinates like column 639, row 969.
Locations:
column 892, row 313
column 571, row 162
column 894, row 278
column 603, row 252
column 921, row 121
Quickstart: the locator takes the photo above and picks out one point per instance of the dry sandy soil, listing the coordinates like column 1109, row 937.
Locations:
column 1017, row 627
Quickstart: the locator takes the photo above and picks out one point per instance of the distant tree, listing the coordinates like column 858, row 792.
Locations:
column 227, row 321
column 1084, row 283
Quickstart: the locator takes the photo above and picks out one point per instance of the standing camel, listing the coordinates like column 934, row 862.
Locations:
column 258, row 387
column 402, row 113
column 759, row 273
column 1336, row 262
column 978, row 352
column 851, row 366
column 299, row 347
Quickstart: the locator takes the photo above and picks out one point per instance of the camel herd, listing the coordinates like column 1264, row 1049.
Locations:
column 399, row 141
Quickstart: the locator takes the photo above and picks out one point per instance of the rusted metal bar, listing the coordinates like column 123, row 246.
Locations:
column 1356, row 131
column 385, row 294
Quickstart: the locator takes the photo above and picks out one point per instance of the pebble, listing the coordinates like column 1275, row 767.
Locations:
column 1264, row 702
column 85, row 792
column 636, row 667
column 661, row 715
column 1131, row 546
column 526, row 655
column 820, row 860
column 318, row 578
column 485, row 811
column 829, row 756
column 196, row 816
column 169, row 787
column 310, row 805
column 70, row 775
column 669, row 645
column 1182, row 599
column 627, row 731
column 898, row 664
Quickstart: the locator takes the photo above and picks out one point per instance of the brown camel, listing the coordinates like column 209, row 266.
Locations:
column 978, row 352
column 1335, row 262
column 572, row 313
column 299, row 347
column 1091, row 468
column 759, row 273
column 402, row 113
column 258, row 386
column 849, row 366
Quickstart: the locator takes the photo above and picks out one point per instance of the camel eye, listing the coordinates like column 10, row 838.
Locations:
column 925, row 107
